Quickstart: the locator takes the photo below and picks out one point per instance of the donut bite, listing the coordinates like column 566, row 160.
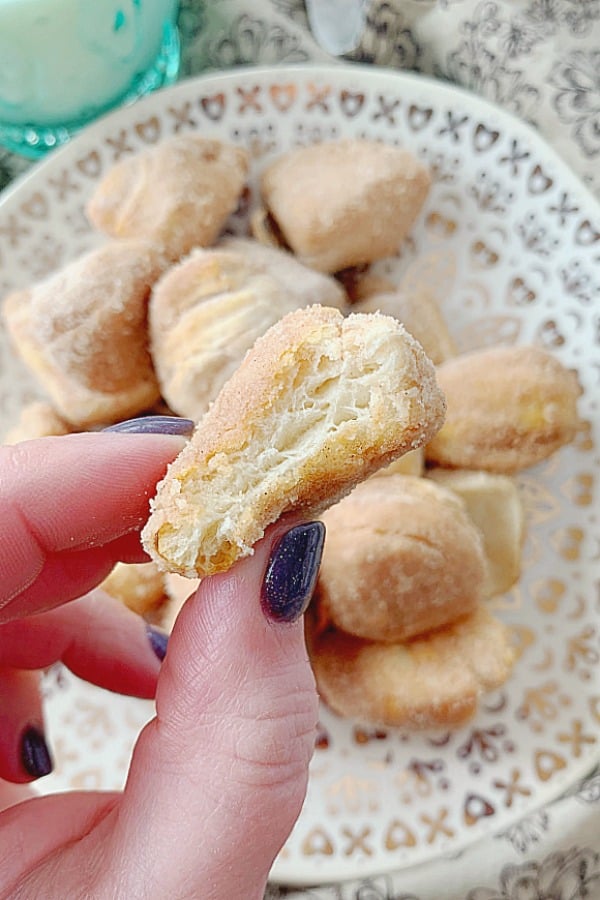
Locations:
column 83, row 333
column 402, row 557
column 318, row 404
column 138, row 586
column 494, row 506
column 508, row 408
column 206, row 312
column 178, row 194
column 434, row 680
column 344, row 203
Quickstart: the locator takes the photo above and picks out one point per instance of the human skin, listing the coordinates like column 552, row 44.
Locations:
column 218, row 777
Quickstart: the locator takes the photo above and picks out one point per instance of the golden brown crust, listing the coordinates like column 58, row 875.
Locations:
column 319, row 403
column 178, row 194
column 401, row 558
column 344, row 203
column 83, row 332
column 508, row 408
column 432, row 681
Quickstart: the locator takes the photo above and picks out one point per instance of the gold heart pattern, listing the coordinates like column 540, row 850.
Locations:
column 351, row 103
column 214, row 106
column 283, row 96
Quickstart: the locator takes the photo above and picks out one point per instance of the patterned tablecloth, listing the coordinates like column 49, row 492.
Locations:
column 539, row 59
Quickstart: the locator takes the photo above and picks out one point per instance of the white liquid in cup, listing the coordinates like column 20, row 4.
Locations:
column 64, row 60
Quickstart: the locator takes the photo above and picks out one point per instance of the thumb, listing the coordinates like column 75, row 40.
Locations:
column 218, row 778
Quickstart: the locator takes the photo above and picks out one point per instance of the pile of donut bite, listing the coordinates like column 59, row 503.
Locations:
column 161, row 315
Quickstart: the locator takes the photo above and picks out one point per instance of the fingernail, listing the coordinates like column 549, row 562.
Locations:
column 158, row 641
column 292, row 572
column 154, row 425
column 35, row 755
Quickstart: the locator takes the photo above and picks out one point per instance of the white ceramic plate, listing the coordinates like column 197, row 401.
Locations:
column 509, row 242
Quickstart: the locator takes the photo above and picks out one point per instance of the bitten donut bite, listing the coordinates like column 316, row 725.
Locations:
column 434, row 680
column 401, row 558
column 178, row 193
column 508, row 408
column 317, row 405
column 344, row 203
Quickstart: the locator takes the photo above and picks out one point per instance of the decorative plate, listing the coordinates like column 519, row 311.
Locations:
column 509, row 241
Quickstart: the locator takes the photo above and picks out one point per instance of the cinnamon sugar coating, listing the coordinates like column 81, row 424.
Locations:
column 344, row 203
column 83, row 332
column 178, row 193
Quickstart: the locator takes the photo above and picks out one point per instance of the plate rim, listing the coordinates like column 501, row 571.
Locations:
column 371, row 73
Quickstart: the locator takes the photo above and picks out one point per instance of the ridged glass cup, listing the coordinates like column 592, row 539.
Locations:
column 63, row 63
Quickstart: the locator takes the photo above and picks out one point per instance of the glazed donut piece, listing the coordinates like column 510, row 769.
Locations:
column 83, row 332
column 433, row 681
column 401, row 558
column 318, row 404
column 178, row 193
column 508, row 408
column 344, row 203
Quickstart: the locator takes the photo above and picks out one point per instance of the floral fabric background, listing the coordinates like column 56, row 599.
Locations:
column 539, row 59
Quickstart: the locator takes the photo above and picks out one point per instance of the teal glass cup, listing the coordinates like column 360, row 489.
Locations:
column 63, row 63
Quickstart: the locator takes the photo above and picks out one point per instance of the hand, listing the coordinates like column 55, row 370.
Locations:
column 218, row 777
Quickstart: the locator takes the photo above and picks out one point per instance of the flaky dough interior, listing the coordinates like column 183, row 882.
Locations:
column 319, row 403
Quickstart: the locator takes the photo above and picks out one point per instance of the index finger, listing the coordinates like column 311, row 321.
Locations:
column 71, row 493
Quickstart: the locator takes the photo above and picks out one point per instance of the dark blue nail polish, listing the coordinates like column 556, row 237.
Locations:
column 292, row 572
column 35, row 755
column 154, row 425
column 158, row 641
